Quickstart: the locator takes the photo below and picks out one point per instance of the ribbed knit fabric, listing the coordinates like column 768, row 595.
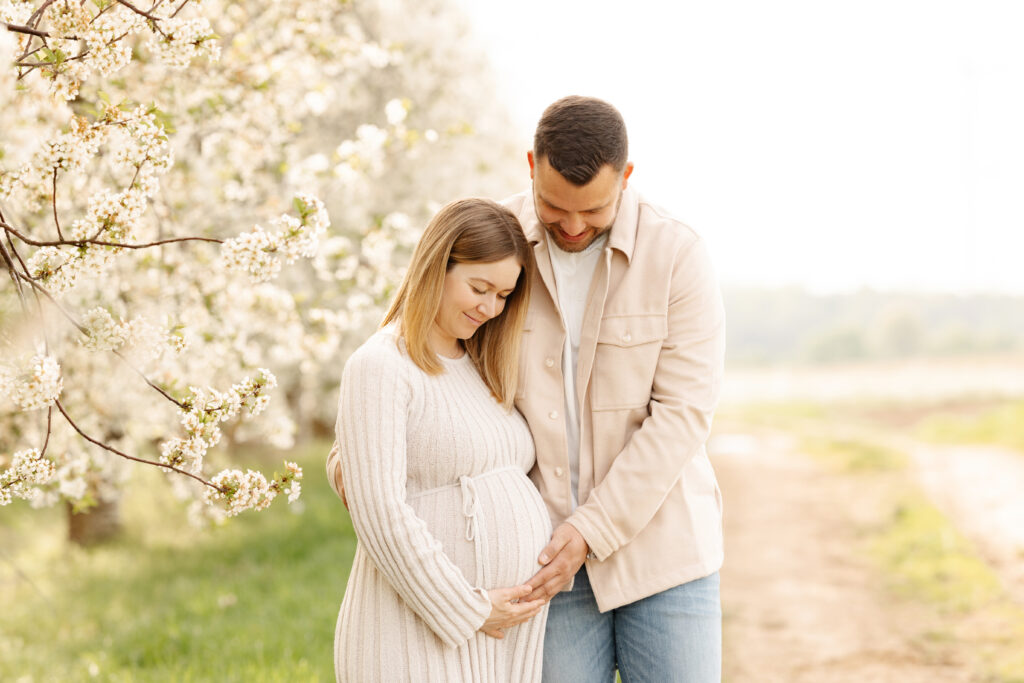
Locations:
column 435, row 477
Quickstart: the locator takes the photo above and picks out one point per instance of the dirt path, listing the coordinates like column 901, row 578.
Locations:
column 801, row 603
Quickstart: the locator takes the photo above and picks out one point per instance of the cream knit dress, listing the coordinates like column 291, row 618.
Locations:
column 435, row 478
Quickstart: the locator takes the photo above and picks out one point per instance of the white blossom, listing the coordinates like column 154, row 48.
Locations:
column 35, row 385
column 28, row 469
column 395, row 111
column 183, row 40
column 103, row 333
column 259, row 253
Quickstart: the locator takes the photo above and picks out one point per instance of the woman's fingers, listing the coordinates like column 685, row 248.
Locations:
column 508, row 610
column 513, row 593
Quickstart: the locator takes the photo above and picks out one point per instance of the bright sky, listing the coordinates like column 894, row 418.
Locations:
column 830, row 144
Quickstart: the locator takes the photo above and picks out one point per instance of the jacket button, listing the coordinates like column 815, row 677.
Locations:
column 550, row 362
column 559, row 471
column 553, row 414
column 627, row 337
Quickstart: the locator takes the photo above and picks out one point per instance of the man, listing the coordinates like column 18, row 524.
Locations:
column 621, row 366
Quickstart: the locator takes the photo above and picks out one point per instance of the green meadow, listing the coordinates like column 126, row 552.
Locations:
column 252, row 600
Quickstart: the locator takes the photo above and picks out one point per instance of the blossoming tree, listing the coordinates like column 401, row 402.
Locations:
column 142, row 152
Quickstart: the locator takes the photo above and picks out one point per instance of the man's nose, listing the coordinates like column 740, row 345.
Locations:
column 574, row 224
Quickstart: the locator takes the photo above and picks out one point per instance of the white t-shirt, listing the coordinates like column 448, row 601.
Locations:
column 574, row 272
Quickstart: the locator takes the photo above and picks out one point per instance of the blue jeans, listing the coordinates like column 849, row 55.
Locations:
column 675, row 635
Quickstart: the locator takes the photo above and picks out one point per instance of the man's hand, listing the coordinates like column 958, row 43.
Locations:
column 334, row 473
column 562, row 557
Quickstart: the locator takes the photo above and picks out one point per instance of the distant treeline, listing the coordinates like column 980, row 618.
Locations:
column 793, row 325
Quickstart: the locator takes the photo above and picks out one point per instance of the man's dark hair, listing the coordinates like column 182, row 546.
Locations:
column 579, row 135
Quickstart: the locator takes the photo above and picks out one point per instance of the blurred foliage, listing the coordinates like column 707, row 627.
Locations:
column 254, row 600
column 926, row 558
column 1003, row 426
column 792, row 325
column 853, row 455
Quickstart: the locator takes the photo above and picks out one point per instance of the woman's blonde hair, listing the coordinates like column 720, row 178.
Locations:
column 467, row 231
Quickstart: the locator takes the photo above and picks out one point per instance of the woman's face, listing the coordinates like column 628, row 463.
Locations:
column 473, row 293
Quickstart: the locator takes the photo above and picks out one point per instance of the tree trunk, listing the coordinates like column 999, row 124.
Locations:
column 95, row 525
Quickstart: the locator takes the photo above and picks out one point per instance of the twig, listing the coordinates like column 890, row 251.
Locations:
column 49, row 424
column 132, row 457
column 147, row 381
column 33, row 20
column 152, row 17
column 85, row 331
column 180, row 7
column 11, row 268
column 55, row 219
column 138, row 11
column 27, row 30
column 102, row 243
column 39, row 304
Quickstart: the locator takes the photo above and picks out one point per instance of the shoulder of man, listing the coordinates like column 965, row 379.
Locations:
column 521, row 205
column 518, row 202
column 654, row 221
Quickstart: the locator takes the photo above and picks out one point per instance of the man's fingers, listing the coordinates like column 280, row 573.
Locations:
column 552, row 549
column 543, row 576
column 548, row 590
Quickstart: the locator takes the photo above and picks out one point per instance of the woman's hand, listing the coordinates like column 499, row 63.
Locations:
column 507, row 611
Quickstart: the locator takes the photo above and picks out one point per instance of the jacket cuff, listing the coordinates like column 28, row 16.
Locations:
column 595, row 527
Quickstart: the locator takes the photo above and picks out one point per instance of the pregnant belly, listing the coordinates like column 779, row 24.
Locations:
column 492, row 525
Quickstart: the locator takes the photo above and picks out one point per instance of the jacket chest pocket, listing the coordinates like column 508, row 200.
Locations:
column 625, row 360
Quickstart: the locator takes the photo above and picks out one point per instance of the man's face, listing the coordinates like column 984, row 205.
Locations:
column 575, row 216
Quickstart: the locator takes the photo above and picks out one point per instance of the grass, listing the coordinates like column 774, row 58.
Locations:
column 927, row 559
column 1002, row 425
column 254, row 600
column 853, row 455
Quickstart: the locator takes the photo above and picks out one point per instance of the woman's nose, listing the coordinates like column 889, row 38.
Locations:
column 487, row 307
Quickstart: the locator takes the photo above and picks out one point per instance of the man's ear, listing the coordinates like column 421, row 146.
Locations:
column 626, row 173
column 529, row 158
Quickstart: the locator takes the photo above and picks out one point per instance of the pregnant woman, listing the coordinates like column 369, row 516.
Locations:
column 434, row 461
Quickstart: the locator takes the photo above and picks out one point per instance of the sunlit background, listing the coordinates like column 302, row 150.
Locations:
column 829, row 145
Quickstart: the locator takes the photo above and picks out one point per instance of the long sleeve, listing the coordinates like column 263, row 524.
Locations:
column 683, row 399
column 371, row 430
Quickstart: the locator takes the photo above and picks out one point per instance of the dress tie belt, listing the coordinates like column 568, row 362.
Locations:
column 470, row 506
column 467, row 486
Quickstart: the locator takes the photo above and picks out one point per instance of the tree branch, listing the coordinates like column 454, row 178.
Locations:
column 152, row 17
column 132, row 457
column 27, row 30
column 102, row 243
column 49, row 425
column 55, row 219
column 15, row 276
column 33, row 20
column 37, row 287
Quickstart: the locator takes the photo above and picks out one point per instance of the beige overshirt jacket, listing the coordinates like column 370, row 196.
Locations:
column 648, row 378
